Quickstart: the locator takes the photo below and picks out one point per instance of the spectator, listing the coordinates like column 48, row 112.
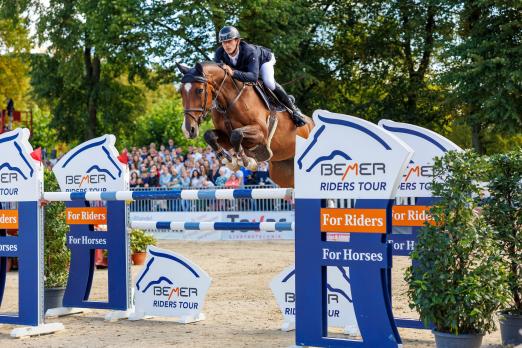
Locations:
column 204, row 172
column 165, row 177
column 134, row 179
column 195, row 181
column 214, row 172
column 154, row 177
column 239, row 176
column 222, row 178
column 233, row 181
column 171, row 145
column 205, row 183
column 262, row 173
column 144, row 179
column 184, row 179
column 176, row 184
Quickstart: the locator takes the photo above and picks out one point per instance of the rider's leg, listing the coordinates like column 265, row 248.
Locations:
column 297, row 116
column 267, row 74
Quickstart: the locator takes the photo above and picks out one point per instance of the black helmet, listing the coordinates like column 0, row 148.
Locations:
column 228, row 33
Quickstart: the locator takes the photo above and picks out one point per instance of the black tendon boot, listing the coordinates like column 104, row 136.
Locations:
column 297, row 117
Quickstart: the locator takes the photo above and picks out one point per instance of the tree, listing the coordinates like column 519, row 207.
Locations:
column 93, row 44
column 14, row 68
column 384, row 53
column 485, row 70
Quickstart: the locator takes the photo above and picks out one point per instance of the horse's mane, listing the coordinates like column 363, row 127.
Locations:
column 197, row 72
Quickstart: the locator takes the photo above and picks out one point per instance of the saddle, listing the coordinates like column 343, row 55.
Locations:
column 268, row 97
column 263, row 152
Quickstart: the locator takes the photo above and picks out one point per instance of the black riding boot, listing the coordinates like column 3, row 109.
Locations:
column 296, row 114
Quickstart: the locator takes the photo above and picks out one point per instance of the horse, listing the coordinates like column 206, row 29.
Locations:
column 242, row 120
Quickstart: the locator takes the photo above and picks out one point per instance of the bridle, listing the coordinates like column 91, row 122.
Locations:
column 204, row 110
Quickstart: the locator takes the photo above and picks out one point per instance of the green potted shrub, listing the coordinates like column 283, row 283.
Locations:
column 56, row 253
column 139, row 240
column 458, row 282
column 503, row 211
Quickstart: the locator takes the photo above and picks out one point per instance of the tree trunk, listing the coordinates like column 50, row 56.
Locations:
column 92, row 80
column 475, row 138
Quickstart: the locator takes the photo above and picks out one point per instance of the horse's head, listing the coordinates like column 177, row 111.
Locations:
column 196, row 93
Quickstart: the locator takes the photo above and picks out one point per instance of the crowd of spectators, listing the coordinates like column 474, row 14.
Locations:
column 174, row 167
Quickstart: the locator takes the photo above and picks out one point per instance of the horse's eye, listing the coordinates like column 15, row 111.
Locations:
column 199, row 90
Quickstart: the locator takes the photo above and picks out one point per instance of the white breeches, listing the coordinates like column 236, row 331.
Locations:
column 267, row 73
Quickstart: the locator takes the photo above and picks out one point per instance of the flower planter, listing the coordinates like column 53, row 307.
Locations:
column 53, row 298
column 138, row 258
column 511, row 329
column 446, row 340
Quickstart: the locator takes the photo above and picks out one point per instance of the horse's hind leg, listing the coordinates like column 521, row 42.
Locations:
column 247, row 136
column 218, row 141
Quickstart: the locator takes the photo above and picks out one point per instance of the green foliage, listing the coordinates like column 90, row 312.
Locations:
column 139, row 241
column 484, row 68
column 94, row 44
column 503, row 211
column 161, row 123
column 43, row 134
column 14, row 68
column 56, row 254
column 459, row 280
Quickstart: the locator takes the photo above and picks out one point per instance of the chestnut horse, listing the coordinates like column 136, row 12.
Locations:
column 241, row 122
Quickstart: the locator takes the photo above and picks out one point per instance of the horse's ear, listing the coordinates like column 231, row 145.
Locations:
column 182, row 68
column 199, row 68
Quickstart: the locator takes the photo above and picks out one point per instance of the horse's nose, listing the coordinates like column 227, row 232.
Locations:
column 193, row 132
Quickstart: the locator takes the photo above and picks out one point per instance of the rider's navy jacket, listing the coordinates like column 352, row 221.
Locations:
column 249, row 61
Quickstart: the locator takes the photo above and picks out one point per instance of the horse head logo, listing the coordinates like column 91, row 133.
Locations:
column 94, row 163
column 326, row 144
column 97, row 151
column 170, row 285
column 159, row 262
column 15, row 150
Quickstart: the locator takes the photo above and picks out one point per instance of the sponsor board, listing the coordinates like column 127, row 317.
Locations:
column 332, row 169
column 411, row 215
column 223, row 216
column 340, row 309
column 170, row 285
column 86, row 216
column 418, row 175
column 9, row 219
column 92, row 166
column 353, row 220
column 21, row 176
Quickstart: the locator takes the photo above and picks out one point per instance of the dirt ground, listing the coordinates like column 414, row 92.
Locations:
column 240, row 308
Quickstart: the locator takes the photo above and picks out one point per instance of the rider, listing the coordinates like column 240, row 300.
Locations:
column 244, row 62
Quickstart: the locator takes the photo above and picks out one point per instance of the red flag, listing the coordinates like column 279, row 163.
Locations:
column 37, row 154
column 123, row 157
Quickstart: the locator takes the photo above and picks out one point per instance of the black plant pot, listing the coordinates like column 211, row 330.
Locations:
column 446, row 340
column 511, row 329
column 53, row 298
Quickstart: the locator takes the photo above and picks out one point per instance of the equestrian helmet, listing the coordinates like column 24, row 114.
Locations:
column 228, row 33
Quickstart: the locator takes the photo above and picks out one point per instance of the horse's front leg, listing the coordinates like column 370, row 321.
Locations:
column 246, row 136
column 219, row 142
